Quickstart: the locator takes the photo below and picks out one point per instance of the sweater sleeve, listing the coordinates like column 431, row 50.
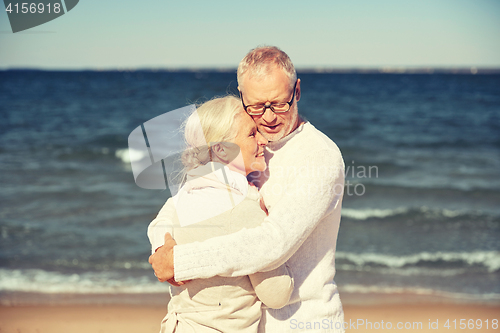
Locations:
column 273, row 288
column 308, row 197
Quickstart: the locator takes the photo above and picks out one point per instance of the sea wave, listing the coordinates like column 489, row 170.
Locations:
column 40, row 281
column 128, row 155
column 364, row 214
column 490, row 260
column 363, row 289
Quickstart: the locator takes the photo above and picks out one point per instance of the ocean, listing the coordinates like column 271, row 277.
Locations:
column 421, row 211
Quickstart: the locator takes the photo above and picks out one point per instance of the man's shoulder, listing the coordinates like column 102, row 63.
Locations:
column 315, row 140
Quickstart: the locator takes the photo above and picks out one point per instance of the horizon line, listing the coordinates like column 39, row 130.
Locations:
column 305, row 69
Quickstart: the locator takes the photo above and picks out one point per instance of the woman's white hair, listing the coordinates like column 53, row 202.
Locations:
column 213, row 121
column 261, row 60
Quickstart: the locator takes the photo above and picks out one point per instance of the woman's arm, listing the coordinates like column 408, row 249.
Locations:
column 161, row 225
column 273, row 288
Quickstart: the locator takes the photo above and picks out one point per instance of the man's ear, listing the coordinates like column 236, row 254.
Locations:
column 297, row 94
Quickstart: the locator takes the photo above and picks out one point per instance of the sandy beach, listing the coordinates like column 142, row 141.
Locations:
column 386, row 315
column 146, row 319
column 421, row 317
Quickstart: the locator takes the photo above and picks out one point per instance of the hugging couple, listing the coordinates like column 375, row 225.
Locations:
column 248, row 242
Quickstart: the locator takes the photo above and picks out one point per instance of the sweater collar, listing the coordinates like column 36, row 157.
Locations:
column 276, row 145
column 216, row 175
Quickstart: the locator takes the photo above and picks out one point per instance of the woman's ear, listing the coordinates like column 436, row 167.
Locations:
column 219, row 150
column 226, row 152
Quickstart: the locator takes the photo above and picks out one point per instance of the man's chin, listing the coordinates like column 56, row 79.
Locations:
column 270, row 133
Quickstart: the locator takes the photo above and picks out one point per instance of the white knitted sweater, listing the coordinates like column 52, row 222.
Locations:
column 303, row 194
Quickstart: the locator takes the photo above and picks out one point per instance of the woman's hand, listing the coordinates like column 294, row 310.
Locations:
column 163, row 261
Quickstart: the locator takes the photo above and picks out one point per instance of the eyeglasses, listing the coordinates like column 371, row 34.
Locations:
column 260, row 109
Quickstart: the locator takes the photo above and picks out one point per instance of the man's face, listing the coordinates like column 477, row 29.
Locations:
column 272, row 88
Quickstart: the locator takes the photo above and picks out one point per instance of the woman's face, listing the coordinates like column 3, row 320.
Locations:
column 251, row 144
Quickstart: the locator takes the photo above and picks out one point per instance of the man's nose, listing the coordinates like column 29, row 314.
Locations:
column 269, row 115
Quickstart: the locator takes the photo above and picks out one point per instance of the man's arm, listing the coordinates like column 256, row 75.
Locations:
column 163, row 270
column 309, row 196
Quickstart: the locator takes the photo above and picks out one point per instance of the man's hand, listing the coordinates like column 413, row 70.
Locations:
column 163, row 261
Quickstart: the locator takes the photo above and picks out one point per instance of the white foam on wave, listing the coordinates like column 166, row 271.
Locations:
column 404, row 271
column 128, row 155
column 362, row 289
column 489, row 259
column 363, row 214
column 40, row 281
column 451, row 213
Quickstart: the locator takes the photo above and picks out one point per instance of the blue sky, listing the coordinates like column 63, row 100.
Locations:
column 170, row 34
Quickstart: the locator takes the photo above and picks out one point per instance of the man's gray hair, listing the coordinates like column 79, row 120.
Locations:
column 261, row 60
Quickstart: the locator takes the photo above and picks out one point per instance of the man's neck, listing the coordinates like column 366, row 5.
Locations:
column 300, row 122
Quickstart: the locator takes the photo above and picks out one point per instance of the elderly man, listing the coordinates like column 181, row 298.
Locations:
column 302, row 189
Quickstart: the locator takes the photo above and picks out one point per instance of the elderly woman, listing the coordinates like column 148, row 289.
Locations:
column 224, row 146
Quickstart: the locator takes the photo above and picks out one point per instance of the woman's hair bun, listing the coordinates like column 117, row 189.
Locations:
column 193, row 157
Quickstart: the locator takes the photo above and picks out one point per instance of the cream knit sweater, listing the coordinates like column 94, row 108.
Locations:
column 303, row 190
